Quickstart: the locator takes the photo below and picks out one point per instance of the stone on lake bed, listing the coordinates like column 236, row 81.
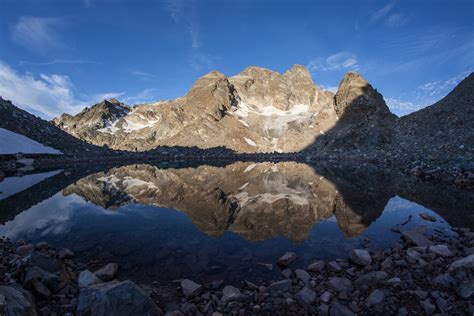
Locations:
column 334, row 266
column 360, row 257
column 115, row 298
column 416, row 236
column 190, row 288
column 279, row 286
column 286, row 259
column 230, row 293
column 316, row 266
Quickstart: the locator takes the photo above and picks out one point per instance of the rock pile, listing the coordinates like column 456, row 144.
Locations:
column 436, row 277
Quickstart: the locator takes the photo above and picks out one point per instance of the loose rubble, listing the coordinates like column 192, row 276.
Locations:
column 403, row 280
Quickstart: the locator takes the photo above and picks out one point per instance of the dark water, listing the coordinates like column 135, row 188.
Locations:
column 209, row 223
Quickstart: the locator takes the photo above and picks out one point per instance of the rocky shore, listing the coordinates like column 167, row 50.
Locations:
column 422, row 274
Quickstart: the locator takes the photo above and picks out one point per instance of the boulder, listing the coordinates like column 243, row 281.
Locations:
column 340, row 284
column 108, row 272
column 14, row 300
column 416, row 236
column 466, row 262
column 371, row 278
column 305, row 296
column 25, row 249
column 279, row 286
column 316, row 266
column 230, row 293
column 36, row 259
column 303, row 276
column 286, row 259
column 376, row 297
column 87, row 278
column 360, row 257
column 65, row 253
column 190, row 288
column 115, row 298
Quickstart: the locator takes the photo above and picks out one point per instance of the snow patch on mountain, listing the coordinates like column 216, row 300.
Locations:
column 12, row 143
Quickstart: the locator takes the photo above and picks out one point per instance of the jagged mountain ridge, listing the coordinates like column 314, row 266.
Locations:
column 258, row 110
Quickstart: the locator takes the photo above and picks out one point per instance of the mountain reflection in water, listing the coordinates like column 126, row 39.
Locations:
column 221, row 222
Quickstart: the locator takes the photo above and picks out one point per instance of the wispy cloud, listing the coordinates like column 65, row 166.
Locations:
column 143, row 74
column 144, row 96
column 401, row 107
column 37, row 33
column 59, row 62
column 381, row 13
column 201, row 61
column 185, row 11
column 46, row 95
column 338, row 61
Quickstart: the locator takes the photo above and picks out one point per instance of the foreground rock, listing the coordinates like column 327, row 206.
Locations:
column 402, row 280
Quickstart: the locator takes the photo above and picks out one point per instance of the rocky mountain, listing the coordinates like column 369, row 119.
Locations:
column 444, row 129
column 21, row 122
column 258, row 110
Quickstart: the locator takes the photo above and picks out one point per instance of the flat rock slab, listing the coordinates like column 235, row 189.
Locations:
column 416, row 236
column 190, row 288
column 115, row 298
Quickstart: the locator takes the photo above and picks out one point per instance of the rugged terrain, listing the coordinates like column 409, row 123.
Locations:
column 258, row 110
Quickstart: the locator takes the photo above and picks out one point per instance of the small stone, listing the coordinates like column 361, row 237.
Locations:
column 108, row 272
column 303, row 276
column 323, row 309
column 402, row 311
column 337, row 309
column 334, row 266
column 326, row 297
column 441, row 250
column 443, row 280
column 466, row 262
column 428, row 306
column 65, row 253
column 286, row 259
column 87, row 278
column 421, row 294
column 190, row 288
column 340, row 284
column 360, row 257
column 316, row 266
column 387, row 263
column 376, row 297
column 466, row 290
column 394, row 281
column 371, row 278
column 427, row 217
column 305, row 296
column 279, row 286
column 230, row 293
column 286, row 273
column 25, row 249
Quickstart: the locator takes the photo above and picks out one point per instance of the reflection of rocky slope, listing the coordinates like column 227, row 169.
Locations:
column 257, row 201
column 258, row 110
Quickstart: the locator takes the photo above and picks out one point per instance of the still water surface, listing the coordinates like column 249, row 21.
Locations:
column 210, row 223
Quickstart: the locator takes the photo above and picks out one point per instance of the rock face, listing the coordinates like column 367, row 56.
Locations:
column 258, row 110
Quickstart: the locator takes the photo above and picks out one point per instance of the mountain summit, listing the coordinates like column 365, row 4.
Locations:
column 257, row 110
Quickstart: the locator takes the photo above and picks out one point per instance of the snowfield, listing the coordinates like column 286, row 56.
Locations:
column 12, row 143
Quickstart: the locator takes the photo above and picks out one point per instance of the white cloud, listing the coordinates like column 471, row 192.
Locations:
column 338, row 61
column 46, row 95
column 400, row 107
column 185, row 11
column 202, row 61
column 330, row 88
column 37, row 33
column 440, row 88
column 396, row 20
column 143, row 74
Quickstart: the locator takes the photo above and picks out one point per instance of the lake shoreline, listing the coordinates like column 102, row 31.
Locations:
column 420, row 274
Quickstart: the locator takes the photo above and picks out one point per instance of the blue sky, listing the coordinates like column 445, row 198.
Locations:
column 58, row 56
